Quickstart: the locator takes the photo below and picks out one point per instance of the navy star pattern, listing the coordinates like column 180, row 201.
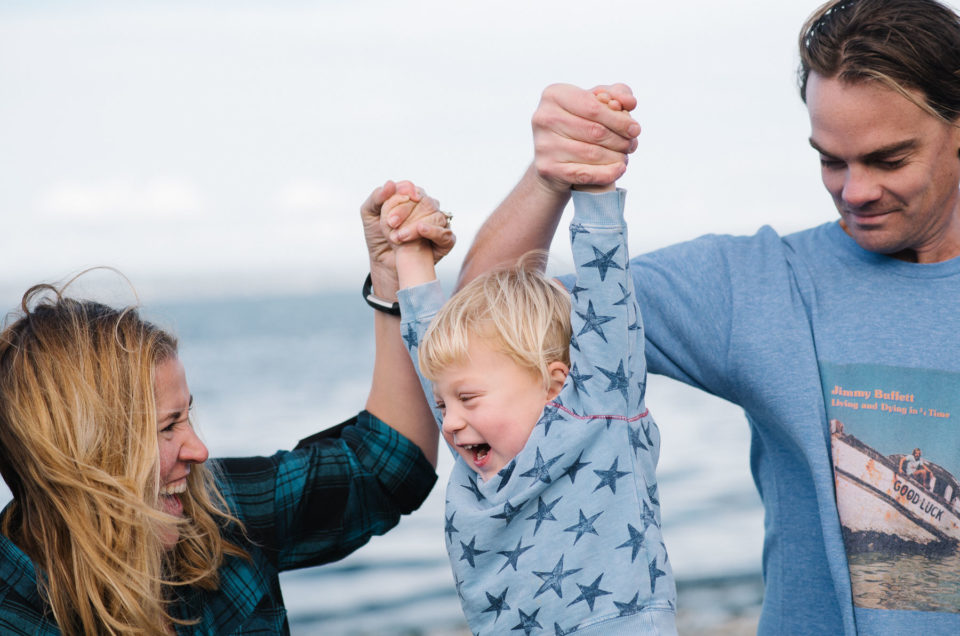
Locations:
column 610, row 476
column 519, row 520
column 541, row 468
column 648, row 517
column 641, row 390
column 655, row 573
column 579, row 379
column 551, row 414
column 635, row 542
column 543, row 512
column 513, row 556
column 470, row 553
column 629, row 608
column 592, row 322
column 584, row 526
column 574, row 344
column 574, row 468
column 528, row 623
column 589, row 593
column 636, row 441
column 411, row 337
column 575, row 292
column 603, row 261
column 505, row 473
column 576, row 228
column 652, row 494
column 625, row 295
column 553, row 580
column 559, row 631
column 474, row 488
column 619, row 381
column 646, row 432
column 448, row 526
column 497, row 603
column 509, row 512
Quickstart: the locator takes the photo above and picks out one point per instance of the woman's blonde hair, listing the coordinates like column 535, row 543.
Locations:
column 78, row 449
column 524, row 314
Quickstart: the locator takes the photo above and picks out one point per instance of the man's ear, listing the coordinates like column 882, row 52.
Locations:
column 557, row 375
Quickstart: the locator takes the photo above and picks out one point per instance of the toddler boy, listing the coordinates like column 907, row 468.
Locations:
column 552, row 516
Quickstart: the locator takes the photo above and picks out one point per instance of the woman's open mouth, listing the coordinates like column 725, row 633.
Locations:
column 170, row 498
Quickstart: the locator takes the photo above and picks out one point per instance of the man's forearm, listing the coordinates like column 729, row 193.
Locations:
column 526, row 220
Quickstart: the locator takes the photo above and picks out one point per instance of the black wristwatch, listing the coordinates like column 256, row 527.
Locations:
column 387, row 307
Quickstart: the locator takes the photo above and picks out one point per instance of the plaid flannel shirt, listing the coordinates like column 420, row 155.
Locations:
column 305, row 507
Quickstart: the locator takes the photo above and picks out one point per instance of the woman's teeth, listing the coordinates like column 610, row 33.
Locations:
column 174, row 489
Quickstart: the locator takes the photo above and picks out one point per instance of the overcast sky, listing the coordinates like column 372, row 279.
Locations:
column 223, row 147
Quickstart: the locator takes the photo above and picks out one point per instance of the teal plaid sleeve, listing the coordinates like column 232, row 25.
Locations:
column 325, row 499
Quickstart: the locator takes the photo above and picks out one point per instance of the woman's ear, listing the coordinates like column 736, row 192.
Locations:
column 557, row 375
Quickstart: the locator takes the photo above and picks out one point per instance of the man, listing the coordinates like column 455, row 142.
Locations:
column 914, row 466
column 852, row 320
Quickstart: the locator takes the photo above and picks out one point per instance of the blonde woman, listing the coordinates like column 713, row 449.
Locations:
column 119, row 525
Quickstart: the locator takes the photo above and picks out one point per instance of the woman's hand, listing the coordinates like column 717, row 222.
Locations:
column 418, row 217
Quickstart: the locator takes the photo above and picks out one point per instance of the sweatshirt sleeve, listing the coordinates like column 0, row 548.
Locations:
column 608, row 369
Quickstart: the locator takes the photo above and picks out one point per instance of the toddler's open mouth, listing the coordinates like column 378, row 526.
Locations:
column 479, row 451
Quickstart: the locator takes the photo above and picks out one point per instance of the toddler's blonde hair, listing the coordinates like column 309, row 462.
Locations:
column 524, row 314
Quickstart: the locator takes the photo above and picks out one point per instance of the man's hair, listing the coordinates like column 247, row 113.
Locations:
column 904, row 44
column 79, row 451
column 518, row 310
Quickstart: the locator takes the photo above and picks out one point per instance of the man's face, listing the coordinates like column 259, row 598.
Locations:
column 892, row 168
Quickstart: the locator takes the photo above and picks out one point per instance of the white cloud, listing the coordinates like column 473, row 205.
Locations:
column 306, row 198
column 152, row 199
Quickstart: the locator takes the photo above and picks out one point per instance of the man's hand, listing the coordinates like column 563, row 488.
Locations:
column 583, row 137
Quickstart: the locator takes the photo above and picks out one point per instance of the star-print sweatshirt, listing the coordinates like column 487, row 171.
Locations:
column 566, row 538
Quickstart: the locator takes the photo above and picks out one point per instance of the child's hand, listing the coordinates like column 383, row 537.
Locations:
column 613, row 104
column 605, row 98
column 422, row 235
column 412, row 219
column 398, row 206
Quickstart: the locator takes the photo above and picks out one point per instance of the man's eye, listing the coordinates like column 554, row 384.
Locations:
column 831, row 164
column 892, row 164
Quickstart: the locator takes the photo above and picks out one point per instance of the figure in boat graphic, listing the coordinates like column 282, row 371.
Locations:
column 899, row 502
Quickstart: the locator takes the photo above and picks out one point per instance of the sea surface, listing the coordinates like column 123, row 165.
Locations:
column 268, row 371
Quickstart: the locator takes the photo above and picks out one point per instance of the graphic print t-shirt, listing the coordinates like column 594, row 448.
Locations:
column 895, row 445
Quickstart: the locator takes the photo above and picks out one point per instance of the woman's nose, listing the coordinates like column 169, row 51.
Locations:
column 193, row 449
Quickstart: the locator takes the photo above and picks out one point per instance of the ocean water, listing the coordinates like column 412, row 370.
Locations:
column 266, row 372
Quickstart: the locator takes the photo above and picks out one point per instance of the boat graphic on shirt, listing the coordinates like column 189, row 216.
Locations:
column 895, row 445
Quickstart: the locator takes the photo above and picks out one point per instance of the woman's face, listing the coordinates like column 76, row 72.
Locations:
column 178, row 443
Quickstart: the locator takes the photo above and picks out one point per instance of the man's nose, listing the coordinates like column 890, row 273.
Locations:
column 861, row 186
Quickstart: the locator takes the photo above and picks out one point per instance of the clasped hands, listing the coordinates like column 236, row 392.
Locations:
column 401, row 213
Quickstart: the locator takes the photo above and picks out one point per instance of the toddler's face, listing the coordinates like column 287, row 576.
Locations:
column 490, row 405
